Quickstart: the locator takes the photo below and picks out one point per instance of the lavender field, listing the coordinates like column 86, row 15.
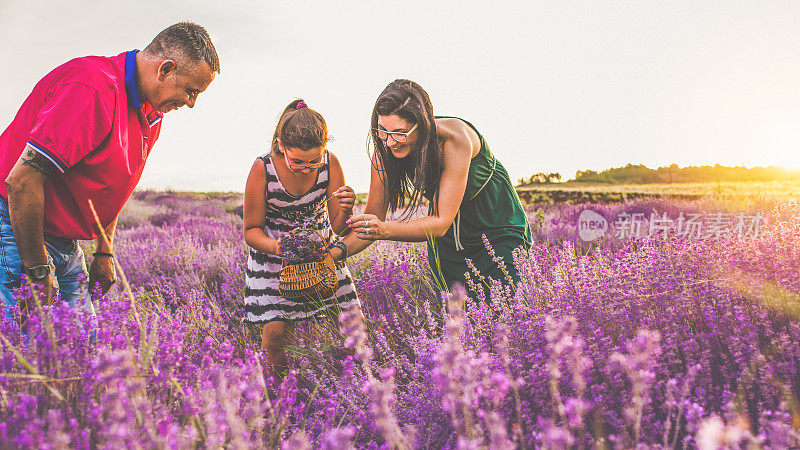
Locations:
column 623, row 342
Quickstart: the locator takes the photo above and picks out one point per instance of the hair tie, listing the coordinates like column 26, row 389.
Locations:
column 302, row 104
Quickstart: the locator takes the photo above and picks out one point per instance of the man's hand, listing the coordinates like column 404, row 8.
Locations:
column 102, row 271
column 46, row 296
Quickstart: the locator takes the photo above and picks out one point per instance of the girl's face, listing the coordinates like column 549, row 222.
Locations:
column 397, row 134
column 303, row 162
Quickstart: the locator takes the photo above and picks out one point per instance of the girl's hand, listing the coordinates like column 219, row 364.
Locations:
column 368, row 227
column 346, row 197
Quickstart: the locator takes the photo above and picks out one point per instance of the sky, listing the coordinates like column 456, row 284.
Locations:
column 554, row 86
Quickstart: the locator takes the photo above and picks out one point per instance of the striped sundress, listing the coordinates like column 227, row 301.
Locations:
column 285, row 212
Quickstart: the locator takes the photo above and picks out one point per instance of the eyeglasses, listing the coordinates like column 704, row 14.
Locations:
column 309, row 166
column 398, row 136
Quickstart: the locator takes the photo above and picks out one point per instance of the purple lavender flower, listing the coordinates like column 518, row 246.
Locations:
column 301, row 246
column 176, row 368
column 337, row 439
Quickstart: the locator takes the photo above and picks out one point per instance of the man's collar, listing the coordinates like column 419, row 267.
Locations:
column 131, row 82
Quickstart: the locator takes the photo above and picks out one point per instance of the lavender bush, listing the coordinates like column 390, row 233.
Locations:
column 613, row 344
column 301, row 246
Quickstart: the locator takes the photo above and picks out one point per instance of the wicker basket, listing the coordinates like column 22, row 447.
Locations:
column 311, row 281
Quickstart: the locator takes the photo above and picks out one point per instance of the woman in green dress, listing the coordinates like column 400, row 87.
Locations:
column 447, row 162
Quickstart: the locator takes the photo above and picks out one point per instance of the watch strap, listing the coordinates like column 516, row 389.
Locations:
column 38, row 272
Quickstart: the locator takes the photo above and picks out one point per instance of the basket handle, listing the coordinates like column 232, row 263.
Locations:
column 328, row 261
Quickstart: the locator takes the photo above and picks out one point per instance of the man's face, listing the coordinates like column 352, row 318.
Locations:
column 179, row 85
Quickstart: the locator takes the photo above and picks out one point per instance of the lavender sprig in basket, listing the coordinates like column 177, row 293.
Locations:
column 301, row 245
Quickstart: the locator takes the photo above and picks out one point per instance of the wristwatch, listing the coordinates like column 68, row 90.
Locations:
column 38, row 273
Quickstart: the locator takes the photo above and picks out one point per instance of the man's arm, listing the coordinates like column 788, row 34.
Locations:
column 101, row 243
column 102, row 268
column 25, row 184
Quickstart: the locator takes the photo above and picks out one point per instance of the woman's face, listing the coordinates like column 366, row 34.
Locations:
column 393, row 130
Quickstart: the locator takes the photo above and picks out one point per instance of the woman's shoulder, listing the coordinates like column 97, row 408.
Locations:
column 447, row 124
column 458, row 135
column 454, row 128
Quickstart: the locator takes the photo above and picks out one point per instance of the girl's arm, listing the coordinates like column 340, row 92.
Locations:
column 255, row 211
column 457, row 155
column 341, row 198
column 377, row 206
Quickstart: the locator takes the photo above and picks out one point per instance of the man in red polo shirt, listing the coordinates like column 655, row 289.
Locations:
column 85, row 133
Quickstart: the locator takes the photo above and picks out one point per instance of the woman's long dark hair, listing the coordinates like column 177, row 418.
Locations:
column 407, row 180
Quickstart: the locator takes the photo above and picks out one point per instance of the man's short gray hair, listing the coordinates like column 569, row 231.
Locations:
column 187, row 39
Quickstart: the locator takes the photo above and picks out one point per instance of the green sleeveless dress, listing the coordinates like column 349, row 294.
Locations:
column 491, row 207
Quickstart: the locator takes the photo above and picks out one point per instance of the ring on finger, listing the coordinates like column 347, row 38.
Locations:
column 366, row 224
column 366, row 230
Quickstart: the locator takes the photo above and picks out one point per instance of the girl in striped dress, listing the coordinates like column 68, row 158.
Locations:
column 297, row 184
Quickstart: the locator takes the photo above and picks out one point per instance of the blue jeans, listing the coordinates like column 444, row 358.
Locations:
column 67, row 265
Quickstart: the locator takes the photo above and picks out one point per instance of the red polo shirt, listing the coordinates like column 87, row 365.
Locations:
column 86, row 117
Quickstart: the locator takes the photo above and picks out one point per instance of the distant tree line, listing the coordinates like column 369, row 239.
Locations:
column 639, row 174
column 540, row 178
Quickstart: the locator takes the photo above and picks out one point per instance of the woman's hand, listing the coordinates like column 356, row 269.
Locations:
column 347, row 199
column 368, row 227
